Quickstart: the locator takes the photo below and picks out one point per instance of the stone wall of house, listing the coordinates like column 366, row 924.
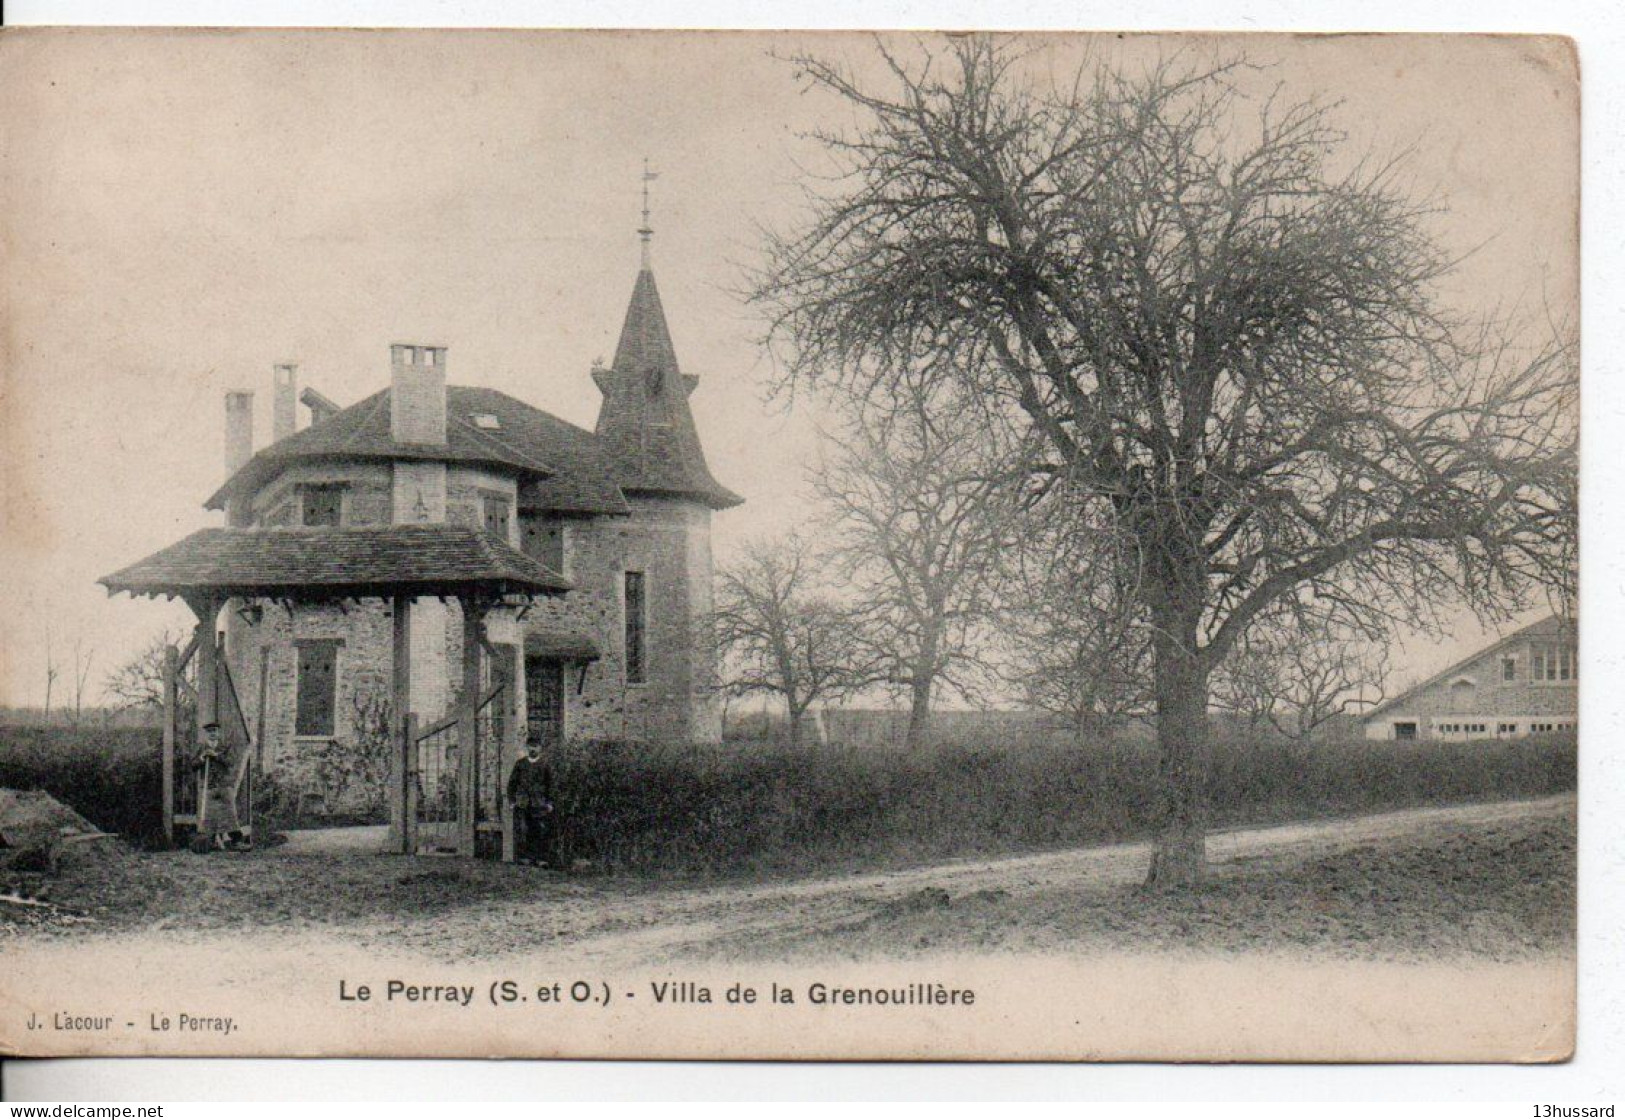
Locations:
column 454, row 495
column 337, row 774
column 1475, row 694
column 342, row 774
column 366, row 499
column 417, row 492
column 669, row 541
column 593, row 702
column 466, row 488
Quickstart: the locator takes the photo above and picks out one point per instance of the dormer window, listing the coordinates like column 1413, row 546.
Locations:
column 487, row 421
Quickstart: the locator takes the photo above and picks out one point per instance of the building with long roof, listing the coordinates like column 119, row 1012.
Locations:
column 1525, row 684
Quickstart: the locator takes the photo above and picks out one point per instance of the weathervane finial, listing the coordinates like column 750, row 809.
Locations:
column 646, row 231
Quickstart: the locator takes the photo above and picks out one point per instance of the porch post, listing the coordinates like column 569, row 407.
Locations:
column 400, row 765
column 172, row 670
column 468, row 727
column 207, row 609
column 208, row 667
column 510, row 747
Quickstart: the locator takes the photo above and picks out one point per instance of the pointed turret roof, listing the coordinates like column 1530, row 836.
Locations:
column 645, row 441
column 644, row 422
column 645, row 338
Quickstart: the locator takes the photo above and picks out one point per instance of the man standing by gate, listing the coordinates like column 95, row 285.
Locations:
column 530, row 791
column 218, row 826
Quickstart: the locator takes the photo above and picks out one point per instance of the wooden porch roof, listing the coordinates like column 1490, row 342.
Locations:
column 306, row 564
column 561, row 645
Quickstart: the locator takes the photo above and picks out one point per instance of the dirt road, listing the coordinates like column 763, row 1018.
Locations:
column 1489, row 880
column 854, row 914
column 1448, row 924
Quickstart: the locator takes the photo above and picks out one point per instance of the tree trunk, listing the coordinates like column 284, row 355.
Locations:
column 919, row 713
column 1180, row 859
column 794, row 714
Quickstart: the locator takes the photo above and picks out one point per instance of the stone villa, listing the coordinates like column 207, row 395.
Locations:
column 354, row 547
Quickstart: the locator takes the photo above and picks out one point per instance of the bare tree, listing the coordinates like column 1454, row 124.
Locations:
column 1228, row 334
column 51, row 673
column 139, row 682
column 81, row 673
column 1076, row 641
column 781, row 637
column 922, row 496
column 1294, row 680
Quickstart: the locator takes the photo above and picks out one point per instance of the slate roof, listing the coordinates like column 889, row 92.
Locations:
column 398, row 559
column 645, row 440
column 562, row 468
column 1549, row 627
column 561, row 645
column 584, row 480
column 362, row 431
column 645, row 423
column 645, row 338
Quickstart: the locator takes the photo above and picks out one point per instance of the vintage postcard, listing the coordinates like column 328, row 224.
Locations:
column 793, row 545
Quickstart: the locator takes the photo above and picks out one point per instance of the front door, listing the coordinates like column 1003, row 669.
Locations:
column 544, row 698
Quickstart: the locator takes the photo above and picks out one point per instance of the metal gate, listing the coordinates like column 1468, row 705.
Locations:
column 455, row 807
column 433, row 788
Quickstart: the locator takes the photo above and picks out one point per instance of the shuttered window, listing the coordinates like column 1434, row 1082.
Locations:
column 496, row 509
column 317, row 688
column 542, row 539
column 637, row 625
column 323, row 505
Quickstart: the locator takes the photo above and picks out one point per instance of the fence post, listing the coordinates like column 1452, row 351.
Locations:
column 400, row 701
column 409, row 790
column 247, row 799
column 171, row 715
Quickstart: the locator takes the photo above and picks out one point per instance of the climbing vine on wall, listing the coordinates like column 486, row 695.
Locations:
column 352, row 772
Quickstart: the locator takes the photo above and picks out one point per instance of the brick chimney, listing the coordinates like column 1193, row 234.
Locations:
column 417, row 393
column 285, row 381
column 239, row 429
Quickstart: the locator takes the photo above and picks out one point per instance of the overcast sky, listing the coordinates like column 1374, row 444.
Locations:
column 181, row 210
